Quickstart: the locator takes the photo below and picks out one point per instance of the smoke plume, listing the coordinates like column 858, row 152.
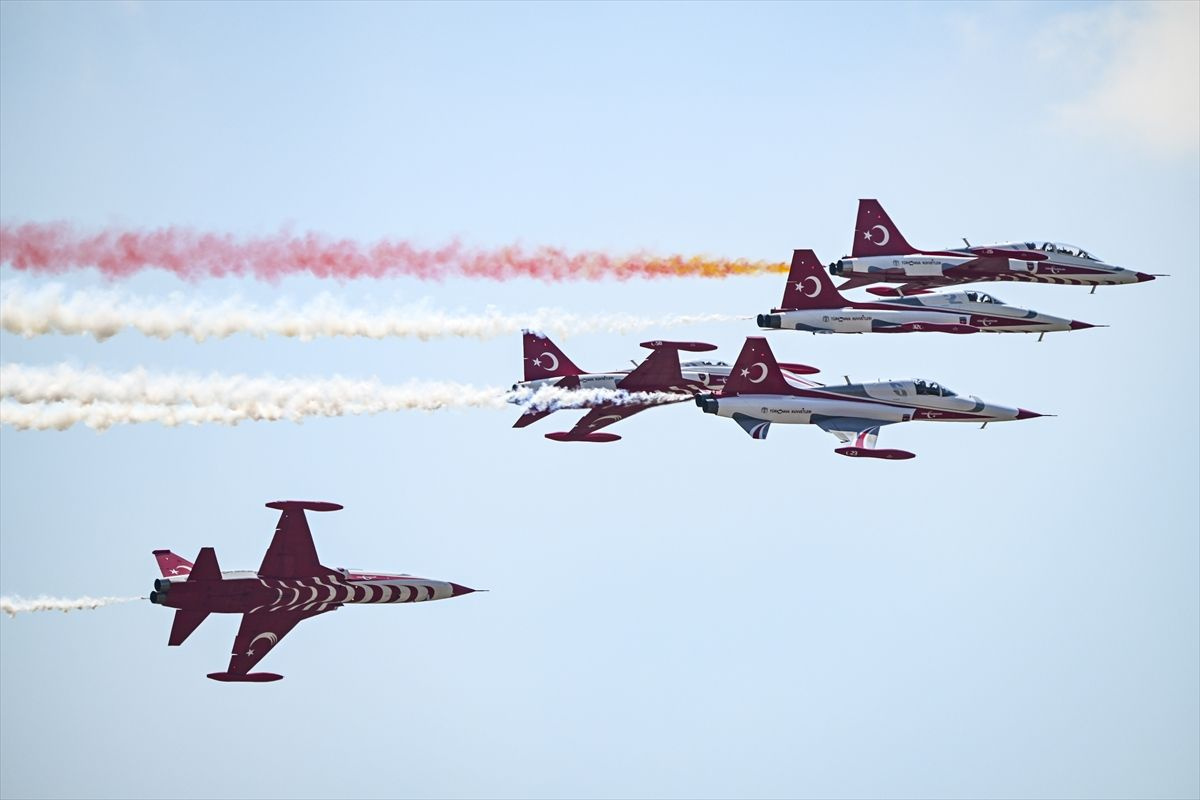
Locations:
column 103, row 314
column 19, row 605
column 59, row 246
column 40, row 398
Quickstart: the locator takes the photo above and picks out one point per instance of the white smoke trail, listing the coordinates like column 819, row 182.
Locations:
column 103, row 314
column 60, row 397
column 19, row 605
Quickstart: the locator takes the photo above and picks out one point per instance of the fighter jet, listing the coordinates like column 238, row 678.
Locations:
column 290, row 586
column 758, row 393
column 881, row 254
column 811, row 303
column 547, row 365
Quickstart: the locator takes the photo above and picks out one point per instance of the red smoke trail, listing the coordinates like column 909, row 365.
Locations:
column 58, row 247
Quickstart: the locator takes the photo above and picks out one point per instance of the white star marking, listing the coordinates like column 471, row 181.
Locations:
column 745, row 373
column 174, row 572
column 867, row 235
column 537, row 362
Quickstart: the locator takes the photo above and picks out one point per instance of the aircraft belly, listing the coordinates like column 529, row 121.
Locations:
column 833, row 320
column 787, row 409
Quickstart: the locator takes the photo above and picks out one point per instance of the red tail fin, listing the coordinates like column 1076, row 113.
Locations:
column 172, row 565
column 809, row 285
column 876, row 235
column 756, row 371
column 543, row 359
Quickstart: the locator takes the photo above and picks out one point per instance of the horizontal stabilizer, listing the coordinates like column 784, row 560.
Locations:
column 798, row 369
column 185, row 622
column 246, row 677
column 757, row 428
column 530, row 417
column 869, row 452
column 695, row 347
column 303, row 505
column 567, row 436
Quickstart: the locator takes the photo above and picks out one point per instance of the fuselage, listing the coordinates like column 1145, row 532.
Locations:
column 954, row 312
column 243, row 591
column 885, row 401
column 697, row 376
column 1031, row 262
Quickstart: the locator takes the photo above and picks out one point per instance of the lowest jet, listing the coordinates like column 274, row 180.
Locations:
column 758, row 394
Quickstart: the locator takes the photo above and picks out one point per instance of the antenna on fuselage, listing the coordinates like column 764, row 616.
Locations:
column 847, row 377
column 968, row 244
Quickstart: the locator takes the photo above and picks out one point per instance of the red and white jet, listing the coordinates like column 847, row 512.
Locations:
column 758, row 394
column 547, row 365
column 882, row 255
column 290, row 586
column 812, row 303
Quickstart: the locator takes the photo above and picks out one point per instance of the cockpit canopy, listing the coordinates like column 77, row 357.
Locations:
column 932, row 389
column 982, row 297
column 705, row 364
column 1053, row 248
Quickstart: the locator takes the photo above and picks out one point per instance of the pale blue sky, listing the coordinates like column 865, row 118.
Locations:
column 688, row 612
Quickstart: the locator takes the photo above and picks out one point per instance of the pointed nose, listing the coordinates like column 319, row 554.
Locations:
column 456, row 590
column 1023, row 413
column 1143, row 277
column 1076, row 325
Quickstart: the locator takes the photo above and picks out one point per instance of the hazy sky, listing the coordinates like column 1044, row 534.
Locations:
column 688, row 612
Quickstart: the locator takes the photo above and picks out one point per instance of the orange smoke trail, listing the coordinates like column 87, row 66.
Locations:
column 58, row 247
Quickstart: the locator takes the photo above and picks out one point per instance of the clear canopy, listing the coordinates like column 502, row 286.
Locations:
column 1061, row 248
column 983, row 297
column 705, row 364
column 932, row 389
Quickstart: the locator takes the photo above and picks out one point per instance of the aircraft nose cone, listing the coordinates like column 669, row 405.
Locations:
column 456, row 590
column 1076, row 325
column 1143, row 277
column 1023, row 413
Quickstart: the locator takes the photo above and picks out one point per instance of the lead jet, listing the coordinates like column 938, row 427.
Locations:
column 812, row 303
column 758, row 394
column 289, row 587
column 881, row 254
column 548, row 366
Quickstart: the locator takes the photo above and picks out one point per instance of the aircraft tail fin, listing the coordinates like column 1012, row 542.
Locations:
column 206, row 567
column 876, row 235
column 756, row 371
column 185, row 622
column 543, row 359
column 809, row 285
column 172, row 565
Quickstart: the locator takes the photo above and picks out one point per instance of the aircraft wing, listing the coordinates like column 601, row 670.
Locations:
column 258, row 635
column 856, row 282
column 599, row 417
column 658, row 373
column 292, row 553
column 859, row 435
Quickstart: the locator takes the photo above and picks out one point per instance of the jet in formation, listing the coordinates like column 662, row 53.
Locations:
column 881, row 254
column 758, row 393
column 812, row 303
column 289, row 586
column 546, row 365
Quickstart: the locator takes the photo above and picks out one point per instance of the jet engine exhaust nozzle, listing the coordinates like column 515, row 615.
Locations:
column 157, row 598
column 707, row 403
column 769, row 321
column 836, row 268
column 162, row 585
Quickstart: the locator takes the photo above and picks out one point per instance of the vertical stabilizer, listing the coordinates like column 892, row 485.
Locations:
column 543, row 359
column 756, row 371
column 876, row 235
column 808, row 285
column 206, row 567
